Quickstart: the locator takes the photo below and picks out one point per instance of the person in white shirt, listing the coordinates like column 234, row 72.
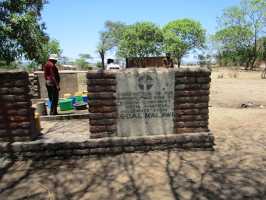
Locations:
column 111, row 65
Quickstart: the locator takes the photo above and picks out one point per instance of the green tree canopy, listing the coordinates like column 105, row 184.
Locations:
column 240, row 29
column 83, row 61
column 181, row 36
column 21, row 32
column 141, row 40
column 233, row 45
column 109, row 38
column 52, row 47
column 115, row 31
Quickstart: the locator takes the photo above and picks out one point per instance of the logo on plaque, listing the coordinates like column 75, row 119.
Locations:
column 145, row 82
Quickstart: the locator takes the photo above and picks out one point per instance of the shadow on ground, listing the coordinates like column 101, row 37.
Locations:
column 156, row 175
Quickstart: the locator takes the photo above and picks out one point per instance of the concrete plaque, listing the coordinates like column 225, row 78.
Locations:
column 145, row 101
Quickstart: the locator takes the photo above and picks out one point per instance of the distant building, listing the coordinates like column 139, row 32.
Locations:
column 67, row 67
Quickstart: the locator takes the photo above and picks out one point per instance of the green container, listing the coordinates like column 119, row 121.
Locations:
column 78, row 99
column 65, row 104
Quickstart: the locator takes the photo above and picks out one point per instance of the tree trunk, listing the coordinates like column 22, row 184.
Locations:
column 102, row 59
column 178, row 62
column 254, row 51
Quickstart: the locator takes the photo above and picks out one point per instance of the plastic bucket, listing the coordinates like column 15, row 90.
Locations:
column 73, row 100
column 85, row 99
column 65, row 104
column 78, row 99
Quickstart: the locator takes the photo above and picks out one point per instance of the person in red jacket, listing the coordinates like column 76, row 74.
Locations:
column 52, row 80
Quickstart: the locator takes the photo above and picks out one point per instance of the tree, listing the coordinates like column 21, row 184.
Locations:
column 249, row 16
column 181, row 36
column 141, row 40
column 52, row 47
column 104, row 45
column 234, row 45
column 115, row 31
column 82, row 62
column 262, row 47
column 109, row 38
column 21, row 33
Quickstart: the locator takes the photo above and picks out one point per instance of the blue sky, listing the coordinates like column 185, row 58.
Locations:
column 76, row 23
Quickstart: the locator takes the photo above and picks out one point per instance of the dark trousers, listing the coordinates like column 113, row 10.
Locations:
column 53, row 95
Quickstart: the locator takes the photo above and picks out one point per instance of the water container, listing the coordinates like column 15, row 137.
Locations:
column 65, row 104
column 85, row 99
column 78, row 99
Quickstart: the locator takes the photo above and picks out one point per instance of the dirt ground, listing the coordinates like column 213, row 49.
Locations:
column 235, row 170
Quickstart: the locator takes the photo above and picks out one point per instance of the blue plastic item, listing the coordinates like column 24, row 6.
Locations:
column 49, row 104
column 73, row 100
column 85, row 99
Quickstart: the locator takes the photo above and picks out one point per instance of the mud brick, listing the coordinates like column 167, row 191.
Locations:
column 191, row 130
column 186, row 80
column 102, row 109
column 203, row 79
column 66, row 152
column 102, row 103
column 191, row 118
column 103, row 122
column 14, row 90
column 101, row 135
column 99, row 129
column 3, row 125
column 97, row 88
column 190, row 105
column 192, row 74
column 191, row 112
column 106, row 82
column 81, row 152
column 95, row 116
column 23, row 138
column 4, row 90
column 101, row 95
column 18, row 118
column 192, row 99
column 3, row 132
column 2, row 117
column 192, row 124
column 190, row 93
column 25, row 104
column 17, row 125
column 21, row 112
column 100, row 74
column 20, row 132
column 20, row 90
column 13, row 75
column 205, row 86
column 191, row 86
column 14, row 98
column 15, row 83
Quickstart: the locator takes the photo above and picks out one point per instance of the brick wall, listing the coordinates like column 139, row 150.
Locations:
column 16, row 112
column 191, row 101
column 34, row 86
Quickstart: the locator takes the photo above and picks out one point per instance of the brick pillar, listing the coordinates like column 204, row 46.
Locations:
column 102, row 103
column 191, row 100
column 16, row 112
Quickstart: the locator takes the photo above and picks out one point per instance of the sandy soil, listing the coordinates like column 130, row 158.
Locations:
column 235, row 170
